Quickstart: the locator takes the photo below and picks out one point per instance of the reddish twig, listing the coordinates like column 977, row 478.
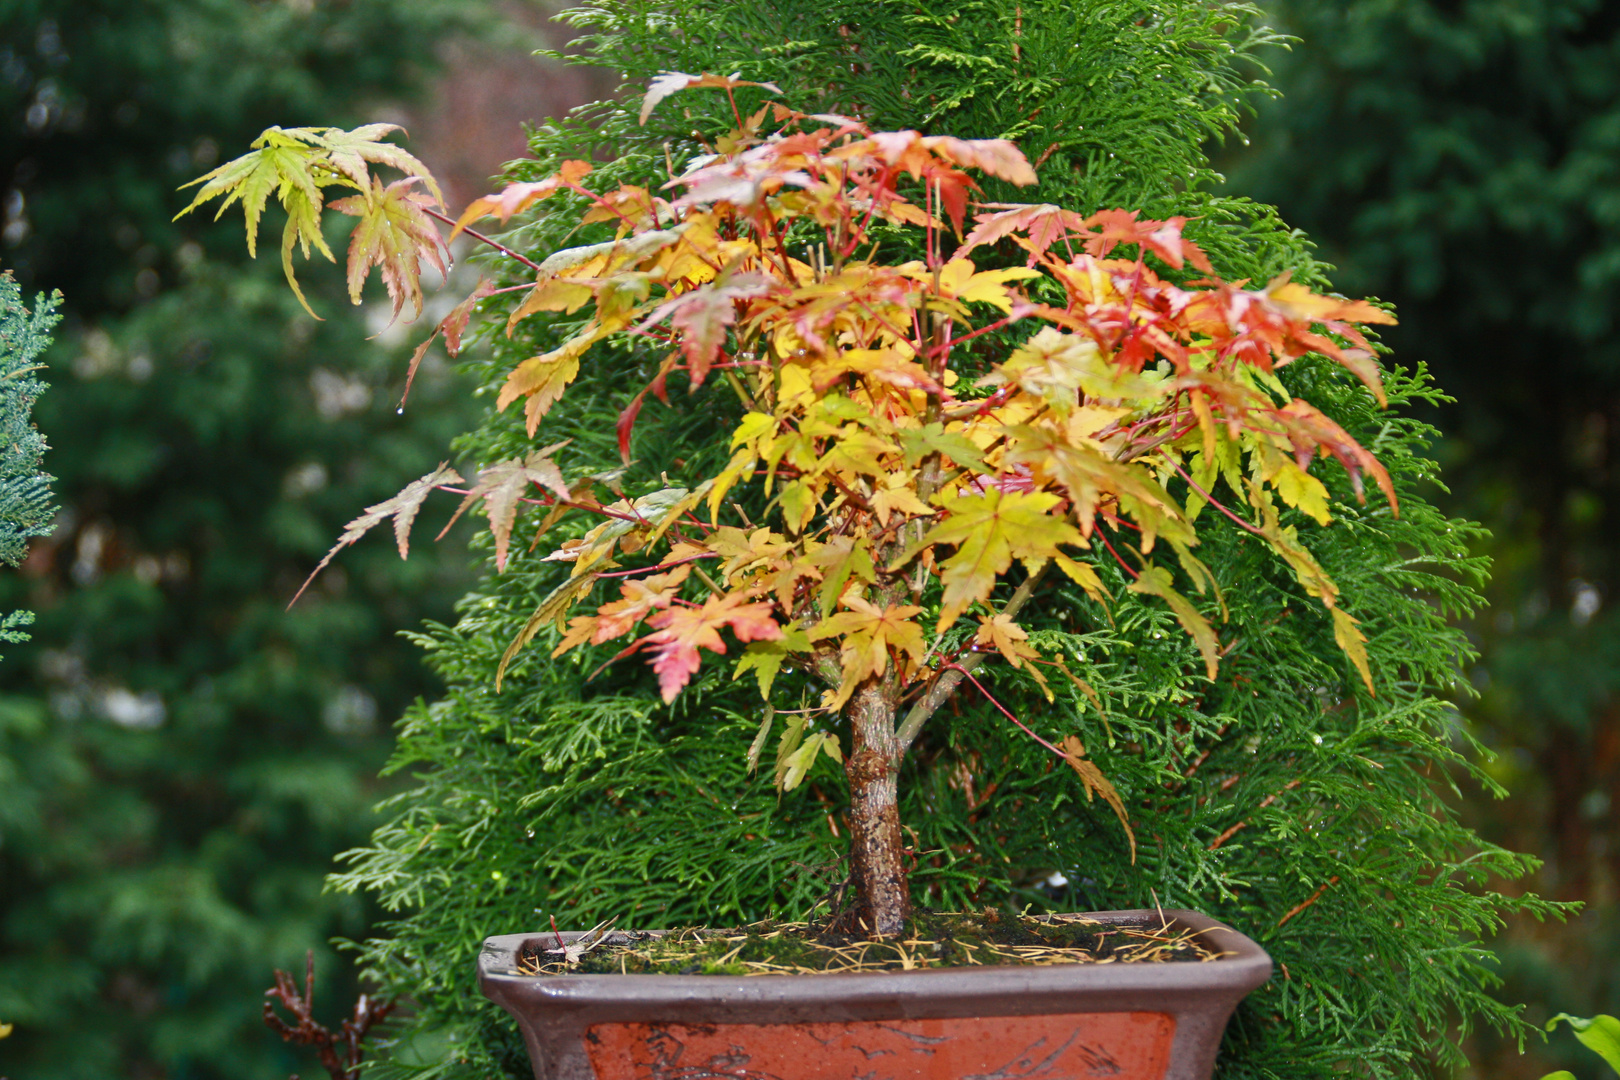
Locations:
column 1213, row 501
column 307, row 1032
column 986, row 329
column 1123, row 564
column 1235, row 829
column 991, row 698
column 481, row 238
column 657, row 569
column 1314, row 897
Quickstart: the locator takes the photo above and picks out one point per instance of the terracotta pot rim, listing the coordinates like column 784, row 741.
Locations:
column 1244, row 967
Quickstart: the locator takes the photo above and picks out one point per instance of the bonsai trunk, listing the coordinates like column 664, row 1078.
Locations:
column 877, row 850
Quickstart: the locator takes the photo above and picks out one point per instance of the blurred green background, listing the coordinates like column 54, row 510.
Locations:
column 180, row 757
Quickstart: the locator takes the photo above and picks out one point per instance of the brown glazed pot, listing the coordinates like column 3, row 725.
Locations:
column 1139, row 1021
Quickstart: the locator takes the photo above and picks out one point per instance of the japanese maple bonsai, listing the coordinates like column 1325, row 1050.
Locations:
column 922, row 442
column 1282, row 797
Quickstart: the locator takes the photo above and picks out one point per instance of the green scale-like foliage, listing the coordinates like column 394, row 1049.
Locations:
column 1281, row 797
column 26, row 505
column 26, row 502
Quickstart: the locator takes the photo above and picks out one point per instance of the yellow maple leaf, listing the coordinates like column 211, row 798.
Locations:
column 1093, row 780
column 1155, row 581
column 989, row 530
column 1350, row 638
column 959, row 280
column 999, row 632
column 542, row 379
column 895, row 493
column 868, row 633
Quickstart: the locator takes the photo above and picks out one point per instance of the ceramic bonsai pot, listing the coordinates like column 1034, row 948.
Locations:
column 1137, row 1021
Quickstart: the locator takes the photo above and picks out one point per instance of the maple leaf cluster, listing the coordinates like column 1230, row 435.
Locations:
column 901, row 492
column 907, row 459
column 297, row 165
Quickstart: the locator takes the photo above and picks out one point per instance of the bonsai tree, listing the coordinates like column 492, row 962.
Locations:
column 1282, row 795
column 913, row 471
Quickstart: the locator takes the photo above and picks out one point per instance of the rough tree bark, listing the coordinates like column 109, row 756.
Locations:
column 877, row 848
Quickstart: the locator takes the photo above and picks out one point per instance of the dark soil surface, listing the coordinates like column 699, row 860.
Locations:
column 932, row 940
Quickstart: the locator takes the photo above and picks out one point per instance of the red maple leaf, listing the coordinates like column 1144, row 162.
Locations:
column 684, row 630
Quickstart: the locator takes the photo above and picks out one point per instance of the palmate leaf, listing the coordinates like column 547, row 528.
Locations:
column 682, row 631
column 672, row 81
column 765, row 659
column 278, row 163
column 295, row 164
column 989, row 531
column 869, row 633
column 393, row 234
column 515, row 198
column 1156, row 581
column 1093, row 780
column 542, row 379
column 792, row 768
column 1042, row 224
column 402, row 508
column 349, row 151
column 502, row 487
column 702, row 316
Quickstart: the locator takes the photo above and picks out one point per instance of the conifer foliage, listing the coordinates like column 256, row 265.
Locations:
column 26, row 504
column 887, row 435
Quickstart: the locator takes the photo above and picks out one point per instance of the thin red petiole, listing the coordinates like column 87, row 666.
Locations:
column 1123, row 564
column 1003, row 709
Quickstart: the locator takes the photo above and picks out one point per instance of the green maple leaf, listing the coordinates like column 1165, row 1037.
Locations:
column 348, row 152
column 278, row 162
column 295, row 164
column 765, row 659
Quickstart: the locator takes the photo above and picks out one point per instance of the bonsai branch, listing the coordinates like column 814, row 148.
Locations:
column 940, row 692
column 481, row 238
column 307, row 1032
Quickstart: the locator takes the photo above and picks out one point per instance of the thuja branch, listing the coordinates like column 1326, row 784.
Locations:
column 940, row 692
column 1313, row 898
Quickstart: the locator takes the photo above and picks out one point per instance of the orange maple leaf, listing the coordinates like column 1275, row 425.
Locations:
column 394, row 234
column 682, row 631
column 518, row 197
column 641, row 596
